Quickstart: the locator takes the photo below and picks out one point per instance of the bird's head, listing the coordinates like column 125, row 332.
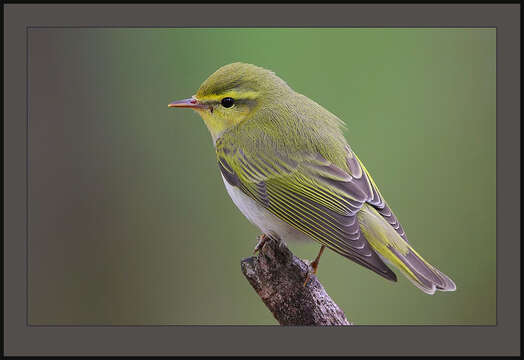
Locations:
column 233, row 94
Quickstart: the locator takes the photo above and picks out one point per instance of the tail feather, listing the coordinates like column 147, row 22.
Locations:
column 393, row 249
column 422, row 274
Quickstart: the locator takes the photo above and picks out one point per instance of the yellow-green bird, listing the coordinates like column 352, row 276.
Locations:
column 288, row 168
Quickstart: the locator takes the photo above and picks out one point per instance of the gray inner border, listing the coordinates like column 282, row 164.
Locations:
column 22, row 339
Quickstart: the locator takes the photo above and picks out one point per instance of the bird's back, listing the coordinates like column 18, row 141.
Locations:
column 292, row 126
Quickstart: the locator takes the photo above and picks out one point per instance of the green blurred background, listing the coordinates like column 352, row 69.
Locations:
column 129, row 221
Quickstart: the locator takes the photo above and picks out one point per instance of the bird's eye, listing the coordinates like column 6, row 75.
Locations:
column 227, row 102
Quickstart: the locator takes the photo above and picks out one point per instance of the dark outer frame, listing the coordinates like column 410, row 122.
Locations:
column 502, row 339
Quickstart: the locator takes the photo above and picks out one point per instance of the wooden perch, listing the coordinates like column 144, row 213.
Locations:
column 278, row 277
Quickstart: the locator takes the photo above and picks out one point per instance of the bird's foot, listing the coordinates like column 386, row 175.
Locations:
column 261, row 241
column 312, row 268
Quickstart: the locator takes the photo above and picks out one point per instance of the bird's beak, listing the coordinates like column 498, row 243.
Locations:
column 192, row 103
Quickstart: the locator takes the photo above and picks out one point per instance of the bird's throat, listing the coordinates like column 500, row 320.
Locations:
column 218, row 125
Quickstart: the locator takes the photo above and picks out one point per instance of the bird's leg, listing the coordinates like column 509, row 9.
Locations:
column 261, row 241
column 314, row 265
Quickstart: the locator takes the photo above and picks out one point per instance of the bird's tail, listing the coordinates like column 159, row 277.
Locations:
column 422, row 274
column 395, row 250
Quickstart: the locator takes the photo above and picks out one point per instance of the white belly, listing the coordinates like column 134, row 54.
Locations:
column 268, row 223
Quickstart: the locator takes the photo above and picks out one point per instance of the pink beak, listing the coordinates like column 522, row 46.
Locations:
column 187, row 103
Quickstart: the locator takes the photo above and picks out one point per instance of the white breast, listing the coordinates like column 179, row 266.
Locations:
column 268, row 223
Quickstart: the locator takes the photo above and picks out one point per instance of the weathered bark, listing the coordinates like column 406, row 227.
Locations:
column 278, row 278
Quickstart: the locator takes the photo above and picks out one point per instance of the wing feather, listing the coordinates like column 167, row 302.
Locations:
column 310, row 194
column 378, row 202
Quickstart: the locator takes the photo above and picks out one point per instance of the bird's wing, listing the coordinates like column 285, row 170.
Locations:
column 310, row 194
column 376, row 200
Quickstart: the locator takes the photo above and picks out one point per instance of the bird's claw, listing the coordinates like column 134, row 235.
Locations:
column 313, row 265
column 312, row 270
column 261, row 241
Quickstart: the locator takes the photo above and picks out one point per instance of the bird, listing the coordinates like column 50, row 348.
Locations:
column 287, row 166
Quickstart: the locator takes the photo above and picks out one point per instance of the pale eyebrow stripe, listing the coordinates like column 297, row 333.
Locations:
column 233, row 94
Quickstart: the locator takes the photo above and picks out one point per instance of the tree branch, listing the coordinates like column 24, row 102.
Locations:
column 278, row 277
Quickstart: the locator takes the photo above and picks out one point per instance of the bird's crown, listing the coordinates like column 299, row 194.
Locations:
column 240, row 79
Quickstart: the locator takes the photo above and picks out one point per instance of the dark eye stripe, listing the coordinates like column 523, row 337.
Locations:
column 248, row 102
